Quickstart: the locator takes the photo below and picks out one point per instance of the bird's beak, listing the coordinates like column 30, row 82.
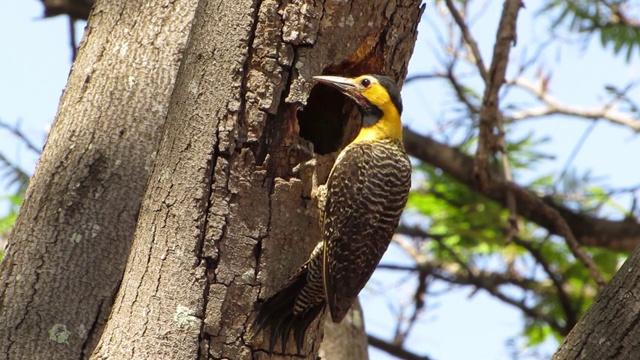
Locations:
column 345, row 85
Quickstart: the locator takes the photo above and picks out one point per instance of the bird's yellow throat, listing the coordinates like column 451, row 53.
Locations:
column 388, row 127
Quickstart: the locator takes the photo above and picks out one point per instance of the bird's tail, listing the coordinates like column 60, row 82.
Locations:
column 281, row 314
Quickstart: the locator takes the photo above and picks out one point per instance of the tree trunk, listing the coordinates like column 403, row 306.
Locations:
column 611, row 327
column 67, row 253
column 346, row 340
column 224, row 221
column 220, row 220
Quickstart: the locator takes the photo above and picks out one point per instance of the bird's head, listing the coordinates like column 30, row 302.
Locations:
column 378, row 100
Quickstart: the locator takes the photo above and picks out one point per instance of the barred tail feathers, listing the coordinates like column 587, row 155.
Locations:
column 290, row 308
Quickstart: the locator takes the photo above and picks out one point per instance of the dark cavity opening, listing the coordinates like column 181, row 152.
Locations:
column 322, row 121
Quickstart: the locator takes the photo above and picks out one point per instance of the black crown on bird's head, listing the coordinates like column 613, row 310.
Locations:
column 392, row 90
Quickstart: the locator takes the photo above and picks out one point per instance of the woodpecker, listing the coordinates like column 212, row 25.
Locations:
column 367, row 190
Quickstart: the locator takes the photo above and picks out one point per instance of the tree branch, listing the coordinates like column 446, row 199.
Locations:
column 553, row 106
column 468, row 38
column 489, row 113
column 588, row 230
column 394, row 350
column 571, row 315
column 559, row 224
column 460, row 272
column 22, row 137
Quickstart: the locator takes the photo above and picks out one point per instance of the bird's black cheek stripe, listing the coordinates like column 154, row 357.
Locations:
column 370, row 115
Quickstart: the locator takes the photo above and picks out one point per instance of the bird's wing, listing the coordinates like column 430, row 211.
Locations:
column 347, row 225
column 366, row 193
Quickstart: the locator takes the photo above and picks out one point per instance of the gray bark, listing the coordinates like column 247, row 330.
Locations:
column 224, row 221
column 611, row 328
column 68, row 249
column 346, row 340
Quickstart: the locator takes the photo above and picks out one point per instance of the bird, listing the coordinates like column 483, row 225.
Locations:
column 366, row 191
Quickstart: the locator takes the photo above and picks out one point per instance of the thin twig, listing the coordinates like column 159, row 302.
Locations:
column 561, row 227
column 460, row 92
column 415, row 231
column 557, row 280
column 426, row 76
column 72, row 37
column 12, row 174
column 418, row 304
column 21, row 136
column 490, row 284
column 468, row 38
column 552, row 106
column 574, row 152
column 460, row 273
column 453, row 273
column 395, row 350
column 511, row 199
column 489, row 113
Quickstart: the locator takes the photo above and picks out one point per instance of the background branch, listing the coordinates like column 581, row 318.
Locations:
column 588, row 230
column 552, row 106
column 489, row 113
column 395, row 350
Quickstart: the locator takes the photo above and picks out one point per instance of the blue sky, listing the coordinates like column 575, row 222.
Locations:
column 35, row 65
column 460, row 325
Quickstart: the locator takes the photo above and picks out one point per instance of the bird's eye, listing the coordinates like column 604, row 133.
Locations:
column 365, row 82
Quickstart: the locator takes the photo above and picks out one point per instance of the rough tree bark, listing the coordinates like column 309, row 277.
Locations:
column 222, row 223
column 70, row 244
column 611, row 327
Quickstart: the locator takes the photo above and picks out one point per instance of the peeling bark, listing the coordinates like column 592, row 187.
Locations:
column 70, row 243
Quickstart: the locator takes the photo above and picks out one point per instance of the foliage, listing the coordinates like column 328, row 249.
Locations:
column 535, row 272
column 12, row 175
column 613, row 20
column 7, row 221
column 471, row 242
column 15, row 179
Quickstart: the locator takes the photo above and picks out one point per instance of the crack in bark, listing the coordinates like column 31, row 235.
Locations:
column 204, row 337
column 257, row 250
column 94, row 327
column 210, row 264
column 28, row 303
column 135, row 299
column 246, row 66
